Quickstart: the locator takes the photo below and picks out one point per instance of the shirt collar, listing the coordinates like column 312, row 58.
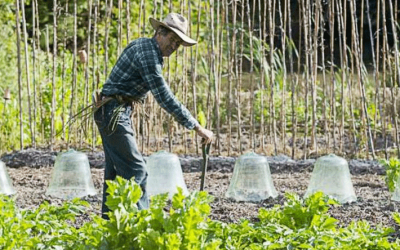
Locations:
column 153, row 40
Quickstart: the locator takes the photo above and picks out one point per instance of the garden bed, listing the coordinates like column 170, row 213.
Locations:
column 31, row 179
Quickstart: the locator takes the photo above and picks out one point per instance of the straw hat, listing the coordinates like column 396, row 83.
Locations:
column 176, row 23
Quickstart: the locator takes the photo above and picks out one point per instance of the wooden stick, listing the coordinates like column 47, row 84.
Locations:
column 28, row 81
column 21, row 139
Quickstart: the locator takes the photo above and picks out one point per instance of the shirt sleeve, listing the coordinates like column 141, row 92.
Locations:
column 152, row 74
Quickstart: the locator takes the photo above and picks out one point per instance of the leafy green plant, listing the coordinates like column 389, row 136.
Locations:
column 183, row 227
column 392, row 167
column 183, row 223
column 47, row 227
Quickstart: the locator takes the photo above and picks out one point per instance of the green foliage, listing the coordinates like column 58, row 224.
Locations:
column 298, row 213
column 396, row 217
column 8, row 46
column 392, row 167
column 201, row 117
column 183, row 223
column 47, row 227
column 182, row 228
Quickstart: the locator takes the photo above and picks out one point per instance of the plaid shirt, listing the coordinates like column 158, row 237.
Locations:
column 138, row 71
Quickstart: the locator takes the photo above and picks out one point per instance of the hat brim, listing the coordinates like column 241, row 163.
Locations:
column 187, row 41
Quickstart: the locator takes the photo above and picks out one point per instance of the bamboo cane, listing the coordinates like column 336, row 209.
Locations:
column 384, row 68
column 299, row 71
column 106, row 36
column 283, row 24
column 293, row 82
column 21, row 139
column 324, row 80
column 271, row 8
column 87, row 75
column 231, row 62
column 314, row 74
column 119, row 21
column 214, row 73
column 35, row 31
column 220, row 23
column 251, row 99
column 262, row 35
column 306, row 25
column 361, row 81
column 375, row 71
column 53, row 96
column 239, row 84
column 63, row 74
column 128, row 21
column 74, row 71
column 28, row 80
column 397, row 70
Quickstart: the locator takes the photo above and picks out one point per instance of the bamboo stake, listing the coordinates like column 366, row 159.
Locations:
column 283, row 24
column 86, row 67
column 169, row 81
column 95, row 73
column 106, row 36
column 21, row 139
column 299, row 71
column 221, row 23
column 333, row 79
column 262, row 35
column 380, row 82
column 240, row 75
column 231, row 63
column 194, row 68
column 375, row 71
column 251, row 99
column 28, row 81
column 397, row 70
column 43, row 114
column 119, row 36
column 53, row 96
column 271, row 7
column 184, row 81
column 63, row 72
column 34, row 35
column 74, row 71
column 128, row 21
column 306, row 25
column 351, row 100
column 362, row 29
column 342, row 11
column 209, row 73
column 384, row 60
column 324, row 80
column 214, row 75
column 361, row 81
column 314, row 74
column 38, row 94
column 293, row 82
column 140, row 16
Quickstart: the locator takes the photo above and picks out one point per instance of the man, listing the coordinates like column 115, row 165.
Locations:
column 137, row 72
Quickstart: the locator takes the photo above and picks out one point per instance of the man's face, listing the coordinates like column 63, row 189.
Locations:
column 169, row 43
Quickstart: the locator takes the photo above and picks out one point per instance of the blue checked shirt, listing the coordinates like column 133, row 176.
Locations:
column 138, row 71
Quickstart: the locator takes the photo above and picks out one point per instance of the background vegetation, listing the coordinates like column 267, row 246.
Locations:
column 298, row 77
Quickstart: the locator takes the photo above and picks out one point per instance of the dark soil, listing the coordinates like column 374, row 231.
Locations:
column 32, row 174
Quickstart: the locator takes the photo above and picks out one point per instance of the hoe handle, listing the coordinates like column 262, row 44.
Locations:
column 206, row 151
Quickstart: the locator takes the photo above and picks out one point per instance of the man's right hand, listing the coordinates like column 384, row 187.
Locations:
column 208, row 135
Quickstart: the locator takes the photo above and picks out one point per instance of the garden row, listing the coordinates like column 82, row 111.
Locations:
column 184, row 223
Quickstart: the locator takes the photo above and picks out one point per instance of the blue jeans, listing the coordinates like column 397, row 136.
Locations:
column 120, row 149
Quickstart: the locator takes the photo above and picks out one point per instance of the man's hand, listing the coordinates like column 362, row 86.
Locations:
column 208, row 135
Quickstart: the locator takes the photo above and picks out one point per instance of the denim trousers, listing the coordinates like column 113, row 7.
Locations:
column 121, row 152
